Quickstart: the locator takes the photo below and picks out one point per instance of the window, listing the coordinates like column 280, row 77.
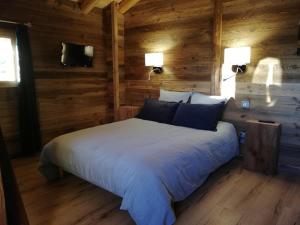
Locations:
column 9, row 68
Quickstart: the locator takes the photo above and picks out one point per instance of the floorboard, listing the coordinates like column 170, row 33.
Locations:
column 231, row 196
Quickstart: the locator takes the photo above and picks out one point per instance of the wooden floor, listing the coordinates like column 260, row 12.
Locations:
column 232, row 196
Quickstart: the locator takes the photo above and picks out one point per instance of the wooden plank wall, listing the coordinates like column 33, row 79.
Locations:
column 183, row 31
column 108, row 42
column 69, row 98
column 271, row 29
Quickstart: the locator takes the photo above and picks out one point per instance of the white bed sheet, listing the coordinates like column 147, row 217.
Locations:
column 148, row 164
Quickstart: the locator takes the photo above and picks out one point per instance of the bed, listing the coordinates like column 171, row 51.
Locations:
column 149, row 164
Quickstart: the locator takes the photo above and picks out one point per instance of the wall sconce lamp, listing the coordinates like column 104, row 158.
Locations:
column 238, row 58
column 156, row 60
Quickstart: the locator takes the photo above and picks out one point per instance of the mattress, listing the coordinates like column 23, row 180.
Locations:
column 150, row 165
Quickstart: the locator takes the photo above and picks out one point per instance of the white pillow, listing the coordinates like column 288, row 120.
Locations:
column 174, row 96
column 198, row 98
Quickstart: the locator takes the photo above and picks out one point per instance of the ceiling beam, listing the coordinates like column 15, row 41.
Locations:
column 103, row 3
column 115, row 56
column 125, row 5
column 87, row 5
column 217, row 47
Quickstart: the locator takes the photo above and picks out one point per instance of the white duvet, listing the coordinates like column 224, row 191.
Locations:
column 148, row 164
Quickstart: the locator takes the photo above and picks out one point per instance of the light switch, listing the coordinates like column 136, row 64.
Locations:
column 245, row 104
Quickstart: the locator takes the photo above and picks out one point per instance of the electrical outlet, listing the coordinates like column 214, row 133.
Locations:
column 242, row 137
column 245, row 104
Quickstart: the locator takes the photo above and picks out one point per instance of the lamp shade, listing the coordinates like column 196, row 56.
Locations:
column 154, row 59
column 237, row 56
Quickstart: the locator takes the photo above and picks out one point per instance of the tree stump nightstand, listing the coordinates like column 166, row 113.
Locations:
column 261, row 149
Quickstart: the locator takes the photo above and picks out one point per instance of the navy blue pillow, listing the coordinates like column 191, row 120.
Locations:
column 198, row 116
column 158, row 111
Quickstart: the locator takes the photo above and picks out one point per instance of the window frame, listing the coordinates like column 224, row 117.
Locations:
column 10, row 33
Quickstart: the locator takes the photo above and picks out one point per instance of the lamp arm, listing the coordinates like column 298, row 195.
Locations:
column 149, row 75
column 236, row 73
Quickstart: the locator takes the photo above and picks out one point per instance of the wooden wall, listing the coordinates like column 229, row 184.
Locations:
column 183, row 31
column 271, row 29
column 69, row 98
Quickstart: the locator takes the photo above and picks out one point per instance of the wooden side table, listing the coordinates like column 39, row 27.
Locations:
column 261, row 150
column 127, row 112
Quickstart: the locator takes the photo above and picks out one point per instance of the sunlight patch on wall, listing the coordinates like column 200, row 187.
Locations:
column 269, row 72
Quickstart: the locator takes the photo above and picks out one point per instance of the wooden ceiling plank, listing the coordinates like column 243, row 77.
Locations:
column 88, row 5
column 125, row 5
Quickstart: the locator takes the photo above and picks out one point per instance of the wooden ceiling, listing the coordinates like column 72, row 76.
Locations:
column 87, row 5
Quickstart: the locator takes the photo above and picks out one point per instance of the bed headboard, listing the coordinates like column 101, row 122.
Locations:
column 202, row 87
